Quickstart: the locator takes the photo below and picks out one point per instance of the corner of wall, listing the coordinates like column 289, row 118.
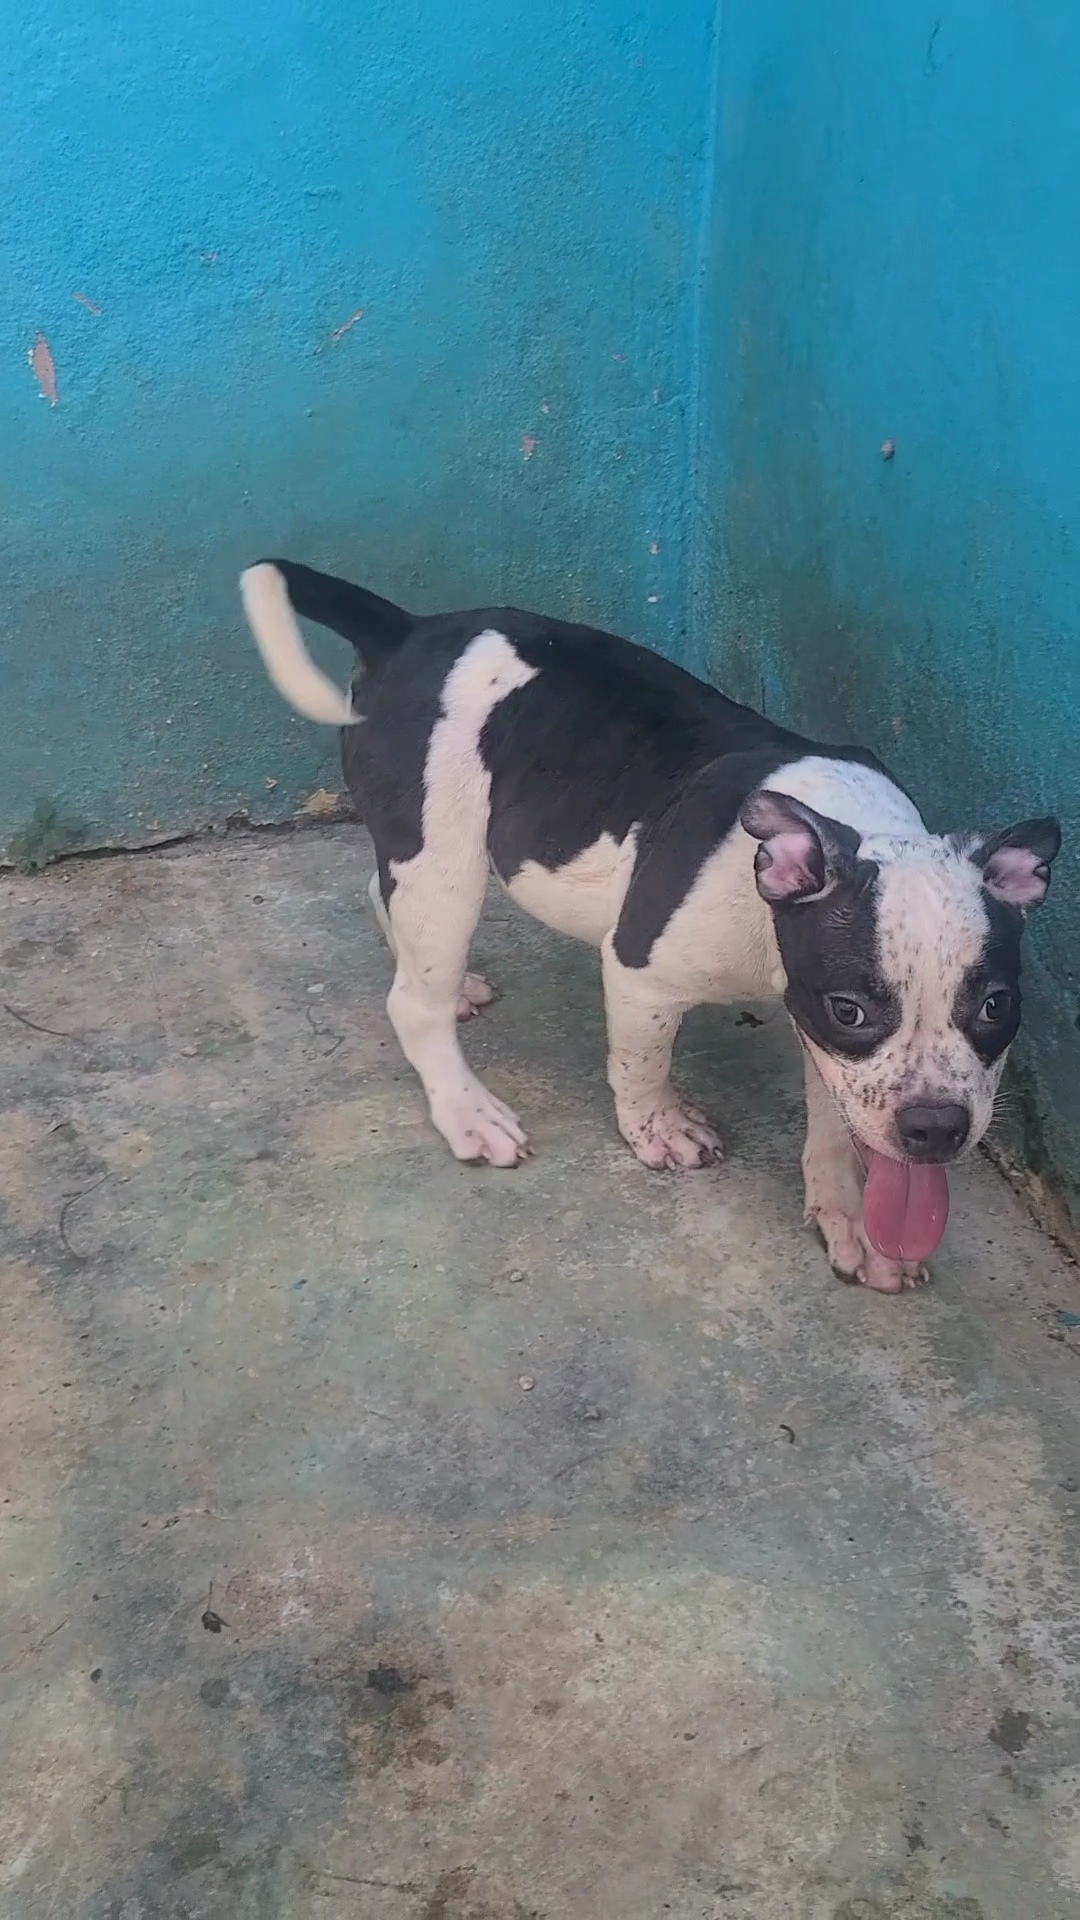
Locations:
column 697, row 563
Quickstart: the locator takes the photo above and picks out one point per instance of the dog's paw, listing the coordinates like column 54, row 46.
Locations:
column 852, row 1257
column 477, row 1126
column 671, row 1136
column 475, row 993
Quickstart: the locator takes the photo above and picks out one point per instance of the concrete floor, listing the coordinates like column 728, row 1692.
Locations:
column 759, row 1604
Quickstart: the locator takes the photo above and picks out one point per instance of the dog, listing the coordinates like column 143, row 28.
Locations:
column 710, row 854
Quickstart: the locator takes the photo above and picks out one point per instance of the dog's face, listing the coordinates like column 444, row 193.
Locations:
column 903, row 967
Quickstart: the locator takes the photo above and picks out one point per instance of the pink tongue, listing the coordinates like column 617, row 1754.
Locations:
column 905, row 1208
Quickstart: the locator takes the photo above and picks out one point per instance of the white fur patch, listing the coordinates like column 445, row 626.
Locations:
column 457, row 784
column 719, row 943
column 582, row 898
column 436, row 903
column 857, row 796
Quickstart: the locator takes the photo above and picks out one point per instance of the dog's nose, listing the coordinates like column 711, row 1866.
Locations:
column 934, row 1132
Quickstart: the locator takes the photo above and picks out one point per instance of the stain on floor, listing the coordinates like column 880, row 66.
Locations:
column 759, row 1604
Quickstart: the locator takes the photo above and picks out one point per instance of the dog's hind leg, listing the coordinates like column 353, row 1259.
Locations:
column 475, row 990
column 435, row 902
column 433, row 916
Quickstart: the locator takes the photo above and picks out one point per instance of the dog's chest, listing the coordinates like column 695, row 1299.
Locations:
column 582, row 898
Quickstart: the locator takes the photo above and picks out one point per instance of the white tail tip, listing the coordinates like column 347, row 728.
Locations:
column 285, row 657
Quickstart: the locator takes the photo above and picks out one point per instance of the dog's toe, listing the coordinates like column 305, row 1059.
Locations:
column 477, row 1126
column 889, row 1276
column 672, row 1138
column 855, row 1261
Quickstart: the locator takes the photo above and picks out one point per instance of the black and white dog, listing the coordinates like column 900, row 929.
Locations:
column 709, row 854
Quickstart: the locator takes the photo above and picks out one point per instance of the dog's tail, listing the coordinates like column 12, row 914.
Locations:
column 275, row 591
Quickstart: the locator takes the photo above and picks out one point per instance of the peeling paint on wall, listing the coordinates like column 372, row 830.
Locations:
column 43, row 367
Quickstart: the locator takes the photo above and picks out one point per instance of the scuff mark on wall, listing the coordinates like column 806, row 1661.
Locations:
column 91, row 305
column 528, row 445
column 340, row 332
column 43, row 367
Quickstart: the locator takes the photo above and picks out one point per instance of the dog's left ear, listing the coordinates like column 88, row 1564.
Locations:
column 1015, row 865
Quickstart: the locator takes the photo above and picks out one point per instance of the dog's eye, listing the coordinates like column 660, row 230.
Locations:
column 846, row 1013
column 996, row 1006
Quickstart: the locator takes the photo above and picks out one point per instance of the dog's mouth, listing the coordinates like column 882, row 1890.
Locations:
column 905, row 1207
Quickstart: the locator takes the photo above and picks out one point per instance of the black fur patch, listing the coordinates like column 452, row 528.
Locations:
column 606, row 737
column 997, row 971
column 375, row 627
column 384, row 755
column 829, row 947
column 673, row 848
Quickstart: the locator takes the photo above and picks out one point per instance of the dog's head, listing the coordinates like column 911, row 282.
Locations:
column 903, row 979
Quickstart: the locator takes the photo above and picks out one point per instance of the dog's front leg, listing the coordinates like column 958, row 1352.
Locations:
column 834, row 1182
column 642, row 1022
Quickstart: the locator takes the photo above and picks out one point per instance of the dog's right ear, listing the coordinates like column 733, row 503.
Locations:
column 802, row 855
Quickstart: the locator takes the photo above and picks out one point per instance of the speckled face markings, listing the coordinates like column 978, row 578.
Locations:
column 930, row 946
column 900, row 968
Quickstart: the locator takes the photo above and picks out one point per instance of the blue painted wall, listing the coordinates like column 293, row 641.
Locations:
column 510, row 194
column 893, row 254
column 640, row 306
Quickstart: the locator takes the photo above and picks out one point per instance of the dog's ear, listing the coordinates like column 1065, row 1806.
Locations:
column 1015, row 865
column 801, row 855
